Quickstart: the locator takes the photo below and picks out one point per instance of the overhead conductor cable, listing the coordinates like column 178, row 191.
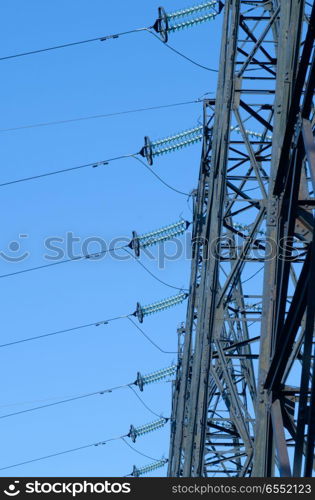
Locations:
column 163, row 26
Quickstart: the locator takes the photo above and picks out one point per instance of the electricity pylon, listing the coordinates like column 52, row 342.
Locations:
column 244, row 394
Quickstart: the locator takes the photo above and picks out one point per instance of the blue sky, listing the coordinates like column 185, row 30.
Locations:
column 131, row 72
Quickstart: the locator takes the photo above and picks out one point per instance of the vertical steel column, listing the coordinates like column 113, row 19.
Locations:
column 287, row 52
column 182, row 389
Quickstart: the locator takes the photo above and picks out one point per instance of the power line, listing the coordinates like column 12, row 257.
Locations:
column 181, row 54
column 45, row 400
column 70, row 44
column 149, row 339
column 103, row 39
column 133, row 433
column 93, row 164
column 66, row 330
column 81, row 396
column 140, row 313
column 151, row 274
column 157, row 176
column 93, row 117
column 84, row 447
column 47, row 49
column 71, row 450
column 80, row 257
column 143, row 403
column 253, row 275
column 132, row 155
column 63, row 401
column 87, row 256
column 137, row 451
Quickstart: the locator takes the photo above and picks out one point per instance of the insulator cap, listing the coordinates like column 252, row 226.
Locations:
column 135, row 244
column 146, row 151
column 132, row 434
column 139, row 381
column 139, row 313
column 161, row 25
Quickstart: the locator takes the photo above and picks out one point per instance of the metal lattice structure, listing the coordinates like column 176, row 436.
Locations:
column 244, row 395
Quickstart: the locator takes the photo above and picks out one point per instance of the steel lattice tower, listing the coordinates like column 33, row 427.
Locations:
column 244, row 395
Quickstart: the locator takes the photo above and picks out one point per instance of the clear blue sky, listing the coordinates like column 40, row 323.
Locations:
column 131, row 72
